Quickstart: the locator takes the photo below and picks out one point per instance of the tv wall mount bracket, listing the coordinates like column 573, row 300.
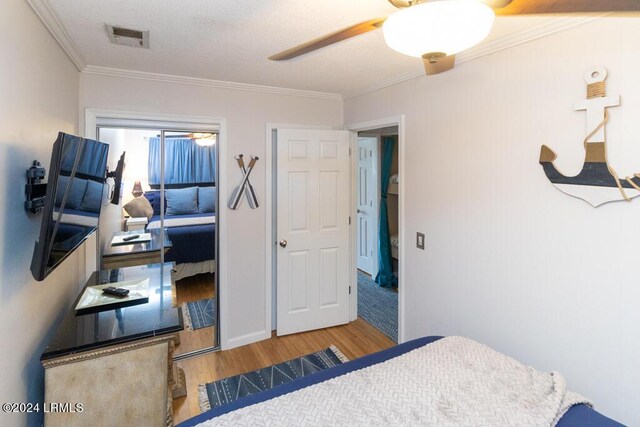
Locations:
column 35, row 190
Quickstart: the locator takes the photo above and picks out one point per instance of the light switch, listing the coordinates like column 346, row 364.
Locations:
column 420, row 241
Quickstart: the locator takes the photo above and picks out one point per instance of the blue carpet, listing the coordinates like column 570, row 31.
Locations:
column 199, row 314
column 378, row 306
column 212, row 395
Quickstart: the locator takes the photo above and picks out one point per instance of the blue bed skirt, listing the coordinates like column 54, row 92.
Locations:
column 577, row 416
column 189, row 243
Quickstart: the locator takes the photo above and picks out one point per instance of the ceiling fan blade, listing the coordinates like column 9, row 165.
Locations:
column 346, row 33
column 521, row 7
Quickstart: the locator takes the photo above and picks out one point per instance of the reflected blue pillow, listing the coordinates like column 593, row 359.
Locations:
column 206, row 199
column 153, row 197
column 74, row 199
column 182, row 201
column 92, row 200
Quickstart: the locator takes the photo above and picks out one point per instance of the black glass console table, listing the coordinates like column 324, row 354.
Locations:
column 142, row 253
column 117, row 361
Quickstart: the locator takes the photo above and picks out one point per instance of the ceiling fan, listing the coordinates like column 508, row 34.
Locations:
column 435, row 30
column 204, row 139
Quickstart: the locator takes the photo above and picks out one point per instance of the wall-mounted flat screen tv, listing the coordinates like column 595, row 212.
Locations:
column 117, row 180
column 74, row 198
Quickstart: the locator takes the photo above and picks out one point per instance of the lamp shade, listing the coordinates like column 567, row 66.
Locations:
column 137, row 189
column 446, row 26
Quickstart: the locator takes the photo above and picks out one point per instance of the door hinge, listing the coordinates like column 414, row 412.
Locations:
column 349, row 289
column 349, row 150
column 370, row 153
column 349, row 220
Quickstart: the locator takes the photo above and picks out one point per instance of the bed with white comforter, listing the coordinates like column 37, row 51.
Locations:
column 433, row 381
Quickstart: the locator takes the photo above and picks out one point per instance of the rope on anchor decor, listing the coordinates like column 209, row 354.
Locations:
column 596, row 90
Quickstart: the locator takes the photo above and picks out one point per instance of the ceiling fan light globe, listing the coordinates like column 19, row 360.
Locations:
column 205, row 139
column 208, row 142
column 448, row 26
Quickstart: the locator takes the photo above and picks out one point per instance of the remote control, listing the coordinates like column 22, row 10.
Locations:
column 133, row 236
column 118, row 292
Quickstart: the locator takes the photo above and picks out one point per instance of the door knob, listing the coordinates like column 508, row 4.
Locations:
column 283, row 243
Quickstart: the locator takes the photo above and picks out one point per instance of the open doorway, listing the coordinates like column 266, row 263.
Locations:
column 169, row 192
column 278, row 242
column 377, row 222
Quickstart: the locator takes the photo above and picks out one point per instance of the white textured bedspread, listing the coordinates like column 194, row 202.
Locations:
column 452, row 382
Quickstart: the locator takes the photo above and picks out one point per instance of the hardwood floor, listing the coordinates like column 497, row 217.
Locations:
column 195, row 288
column 355, row 339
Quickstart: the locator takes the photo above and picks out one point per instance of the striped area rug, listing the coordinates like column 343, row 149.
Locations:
column 199, row 314
column 378, row 306
column 227, row 390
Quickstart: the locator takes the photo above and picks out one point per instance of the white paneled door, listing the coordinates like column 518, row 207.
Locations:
column 313, row 254
column 366, row 220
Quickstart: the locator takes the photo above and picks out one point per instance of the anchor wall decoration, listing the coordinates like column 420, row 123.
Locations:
column 597, row 183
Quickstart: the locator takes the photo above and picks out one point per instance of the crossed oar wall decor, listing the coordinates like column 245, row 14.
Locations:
column 245, row 187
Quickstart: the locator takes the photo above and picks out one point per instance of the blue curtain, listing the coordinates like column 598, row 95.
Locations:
column 184, row 161
column 385, row 276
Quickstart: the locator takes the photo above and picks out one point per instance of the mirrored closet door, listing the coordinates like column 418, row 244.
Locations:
column 168, row 196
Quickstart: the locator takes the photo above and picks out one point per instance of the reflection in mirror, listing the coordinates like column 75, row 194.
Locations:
column 169, row 194
column 115, row 218
column 189, row 216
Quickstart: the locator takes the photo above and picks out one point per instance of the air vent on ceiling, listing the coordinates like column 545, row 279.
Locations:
column 128, row 36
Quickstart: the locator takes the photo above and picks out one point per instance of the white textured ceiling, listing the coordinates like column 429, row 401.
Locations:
column 230, row 40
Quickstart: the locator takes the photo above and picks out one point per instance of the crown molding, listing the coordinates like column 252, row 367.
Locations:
column 50, row 19
column 524, row 36
column 170, row 78
column 502, row 43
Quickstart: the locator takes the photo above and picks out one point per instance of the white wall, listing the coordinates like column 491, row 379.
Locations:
column 40, row 92
column 511, row 261
column 247, row 114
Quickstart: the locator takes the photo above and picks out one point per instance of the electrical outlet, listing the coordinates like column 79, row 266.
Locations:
column 420, row 241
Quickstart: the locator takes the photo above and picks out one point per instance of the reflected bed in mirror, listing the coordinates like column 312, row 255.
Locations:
column 190, row 221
